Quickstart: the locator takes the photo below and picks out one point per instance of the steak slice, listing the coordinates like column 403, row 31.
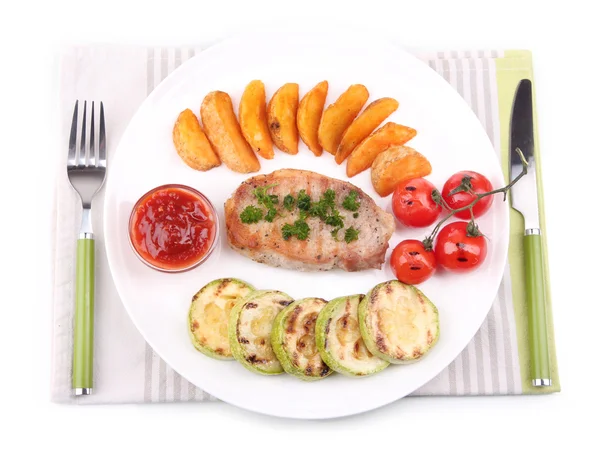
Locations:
column 263, row 241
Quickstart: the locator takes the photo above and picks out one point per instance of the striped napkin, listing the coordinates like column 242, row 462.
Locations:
column 127, row 370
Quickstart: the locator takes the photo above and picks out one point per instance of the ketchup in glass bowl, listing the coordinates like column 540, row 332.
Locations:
column 173, row 228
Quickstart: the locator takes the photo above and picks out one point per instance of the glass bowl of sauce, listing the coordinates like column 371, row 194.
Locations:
column 173, row 228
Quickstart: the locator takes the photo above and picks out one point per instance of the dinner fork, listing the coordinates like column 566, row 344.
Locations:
column 86, row 169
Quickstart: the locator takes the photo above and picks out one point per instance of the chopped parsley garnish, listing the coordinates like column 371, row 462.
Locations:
column 251, row 214
column 350, row 235
column 355, row 214
column 324, row 209
column 329, row 197
column 326, row 203
column 299, row 229
column 303, row 201
column 351, row 202
column 263, row 198
column 271, row 213
column 289, row 202
column 319, row 209
column 335, row 220
column 268, row 200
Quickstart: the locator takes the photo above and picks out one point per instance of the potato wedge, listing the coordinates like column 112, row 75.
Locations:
column 224, row 133
column 339, row 115
column 192, row 144
column 281, row 115
column 396, row 164
column 390, row 134
column 253, row 119
column 367, row 121
column 310, row 111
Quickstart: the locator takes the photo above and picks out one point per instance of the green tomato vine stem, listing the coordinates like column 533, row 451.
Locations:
column 472, row 228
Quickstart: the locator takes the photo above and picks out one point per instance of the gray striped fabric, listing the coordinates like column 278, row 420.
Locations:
column 161, row 383
column 489, row 365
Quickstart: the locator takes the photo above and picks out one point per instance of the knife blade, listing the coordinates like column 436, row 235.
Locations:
column 524, row 193
column 524, row 198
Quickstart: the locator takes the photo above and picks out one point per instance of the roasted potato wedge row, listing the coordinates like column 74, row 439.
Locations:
column 224, row 133
column 281, row 115
column 390, row 134
column 396, row 164
column 253, row 119
column 309, row 116
column 192, row 144
column 339, row 115
column 365, row 123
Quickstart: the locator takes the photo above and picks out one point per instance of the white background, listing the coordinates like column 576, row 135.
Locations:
column 493, row 430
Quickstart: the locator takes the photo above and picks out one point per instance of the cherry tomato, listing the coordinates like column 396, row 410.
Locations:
column 412, row 264
column 457, row 248
column 413, row 205
column 479, row 184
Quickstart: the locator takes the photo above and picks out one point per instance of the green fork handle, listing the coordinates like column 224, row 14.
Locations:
column 83, row 345
column 536, row 292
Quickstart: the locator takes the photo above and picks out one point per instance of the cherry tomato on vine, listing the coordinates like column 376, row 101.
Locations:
column 413, row 205
column 412, row 263
column 473, row 183
column 460, row 247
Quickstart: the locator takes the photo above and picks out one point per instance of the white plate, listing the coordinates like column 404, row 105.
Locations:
column 449, row 134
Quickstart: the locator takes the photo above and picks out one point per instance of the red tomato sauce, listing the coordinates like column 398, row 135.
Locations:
column 172, row 228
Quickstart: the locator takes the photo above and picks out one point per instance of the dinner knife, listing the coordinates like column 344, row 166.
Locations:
column 524, row 198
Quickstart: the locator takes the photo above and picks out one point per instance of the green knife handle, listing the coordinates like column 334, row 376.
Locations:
column 83, row 345
column 536, row 292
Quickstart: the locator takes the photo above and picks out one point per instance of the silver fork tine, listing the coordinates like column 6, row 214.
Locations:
column 92, row 160
column 102, row 144
column 81, row 160
column 72, row 160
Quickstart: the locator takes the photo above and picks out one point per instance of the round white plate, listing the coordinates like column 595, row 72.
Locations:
column 449, row 134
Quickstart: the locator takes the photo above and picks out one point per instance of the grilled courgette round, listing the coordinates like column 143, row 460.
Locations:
column 209, row 315
column 250, row 326
column 293, row 339
column 339, row 340
column 398, row 322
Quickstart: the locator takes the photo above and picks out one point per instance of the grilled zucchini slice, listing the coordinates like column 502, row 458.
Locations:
column 398, row 322
column 293, row 339
column 339, row 340
column 209, row 315
column 250, row 326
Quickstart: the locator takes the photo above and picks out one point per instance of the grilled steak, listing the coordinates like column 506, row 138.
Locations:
column 264, row 242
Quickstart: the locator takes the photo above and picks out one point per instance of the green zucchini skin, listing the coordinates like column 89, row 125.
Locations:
column 398, row 322
column 254, row 351
column 339, row 340
column 205, row 331
column 292, row 339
